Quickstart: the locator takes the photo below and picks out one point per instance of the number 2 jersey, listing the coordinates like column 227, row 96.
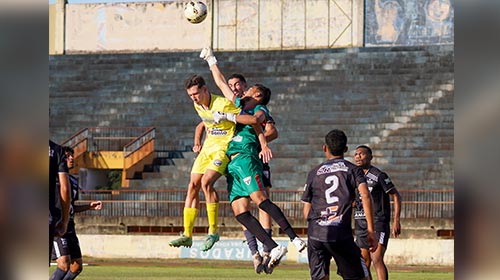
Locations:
column 331, row 190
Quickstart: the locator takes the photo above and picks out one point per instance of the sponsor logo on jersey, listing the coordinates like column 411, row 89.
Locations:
column 330, row 168
column 387, row 180
column 247, row 180
column 217, row 132
column 332, row 220
column 217, row 162
column 370, row 176
column 359, row 214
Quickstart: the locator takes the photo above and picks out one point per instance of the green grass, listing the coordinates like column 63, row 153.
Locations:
column 211, row 270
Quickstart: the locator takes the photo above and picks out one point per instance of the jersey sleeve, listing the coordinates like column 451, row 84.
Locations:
column 385, row 182
column 270, row 119
column 62, row 164
column 307, row 194
column 359, row 177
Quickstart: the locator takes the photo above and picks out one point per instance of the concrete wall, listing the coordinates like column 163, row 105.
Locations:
column 250, row 25
column 132, row 27
column 399, row 251
column 290, row 24
column 230, row 25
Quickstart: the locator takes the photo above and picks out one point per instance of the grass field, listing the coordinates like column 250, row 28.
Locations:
column 184, row 269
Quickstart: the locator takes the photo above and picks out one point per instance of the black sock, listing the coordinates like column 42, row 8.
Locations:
column 70, row 275
column 278, row 216
column 58, row 274
column 269, row 232
column 253, row 225
column 251, row 241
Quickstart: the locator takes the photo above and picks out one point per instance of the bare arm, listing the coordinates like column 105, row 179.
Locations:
column 270, row 132
column 65, row 200
column 198, row 136
column 366, row 199
column 96, row 205
column 265, row 153
column 221, row 82
column 396, row 225
column 307, row 209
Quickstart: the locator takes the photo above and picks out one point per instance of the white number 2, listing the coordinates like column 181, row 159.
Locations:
column 334, row 181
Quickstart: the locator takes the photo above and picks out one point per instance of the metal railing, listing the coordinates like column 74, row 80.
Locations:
column 111, row 138
column 420, row 204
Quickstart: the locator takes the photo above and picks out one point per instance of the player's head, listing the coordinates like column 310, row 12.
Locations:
column 197, row 90
column 336, row 142
column 237, row 83
column 70, row 153
column 258, row 92
column 363, row 156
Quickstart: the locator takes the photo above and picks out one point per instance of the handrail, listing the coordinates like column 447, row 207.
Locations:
column 76, row 138
column 138, row 142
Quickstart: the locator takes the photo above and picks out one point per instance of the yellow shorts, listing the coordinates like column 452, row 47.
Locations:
column 213, row 158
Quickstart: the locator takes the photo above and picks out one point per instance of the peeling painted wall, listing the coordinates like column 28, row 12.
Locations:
column 409, row 22
column 290, row 24
column 236, row 25
column 132, row 27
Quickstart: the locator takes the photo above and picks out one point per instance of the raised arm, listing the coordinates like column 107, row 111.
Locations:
column 220, row 80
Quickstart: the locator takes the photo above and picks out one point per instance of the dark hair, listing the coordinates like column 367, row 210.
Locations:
column 336, row 141
column 194, row 80
column 237, row 76
column 266, row 93
column 367, row 149
column 68, row 149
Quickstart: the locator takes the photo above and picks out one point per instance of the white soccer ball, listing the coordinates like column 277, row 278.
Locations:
column 195, row 11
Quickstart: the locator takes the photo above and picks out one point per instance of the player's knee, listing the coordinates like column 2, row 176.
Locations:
column 377, row 260
column 77, row 268
column 64, row 266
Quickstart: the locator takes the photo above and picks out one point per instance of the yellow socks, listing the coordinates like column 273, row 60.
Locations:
column 212, row 214
column 189, row 218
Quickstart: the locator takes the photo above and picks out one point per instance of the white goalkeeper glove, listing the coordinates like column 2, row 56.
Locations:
column 220, row 116
column 208, row 55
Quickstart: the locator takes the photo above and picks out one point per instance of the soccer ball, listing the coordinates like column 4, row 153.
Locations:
column 195, row 11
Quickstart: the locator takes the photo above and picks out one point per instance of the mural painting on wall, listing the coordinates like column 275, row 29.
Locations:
column 409, row 22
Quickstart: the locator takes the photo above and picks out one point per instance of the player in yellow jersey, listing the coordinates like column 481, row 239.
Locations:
column 211, row 162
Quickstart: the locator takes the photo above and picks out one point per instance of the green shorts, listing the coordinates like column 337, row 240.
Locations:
column 244, row 176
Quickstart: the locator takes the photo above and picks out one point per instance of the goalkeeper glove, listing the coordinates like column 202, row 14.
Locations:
column 220, row 116
column 208, row 56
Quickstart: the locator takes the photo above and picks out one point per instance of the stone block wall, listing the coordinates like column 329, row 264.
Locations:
column 397, row 100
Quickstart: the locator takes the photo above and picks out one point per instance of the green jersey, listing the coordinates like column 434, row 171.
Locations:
column 245, row 140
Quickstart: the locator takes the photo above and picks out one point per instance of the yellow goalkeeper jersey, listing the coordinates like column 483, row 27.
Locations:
column 221, row 133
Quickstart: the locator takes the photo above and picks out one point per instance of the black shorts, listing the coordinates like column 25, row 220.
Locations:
column 266, row 171
column 68, row 245
column 362, row 238
column 346, row 254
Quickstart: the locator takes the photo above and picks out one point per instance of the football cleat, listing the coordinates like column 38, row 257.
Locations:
column 210, row 241
column 181, row 241
column 257, row 263
column 275, row 256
